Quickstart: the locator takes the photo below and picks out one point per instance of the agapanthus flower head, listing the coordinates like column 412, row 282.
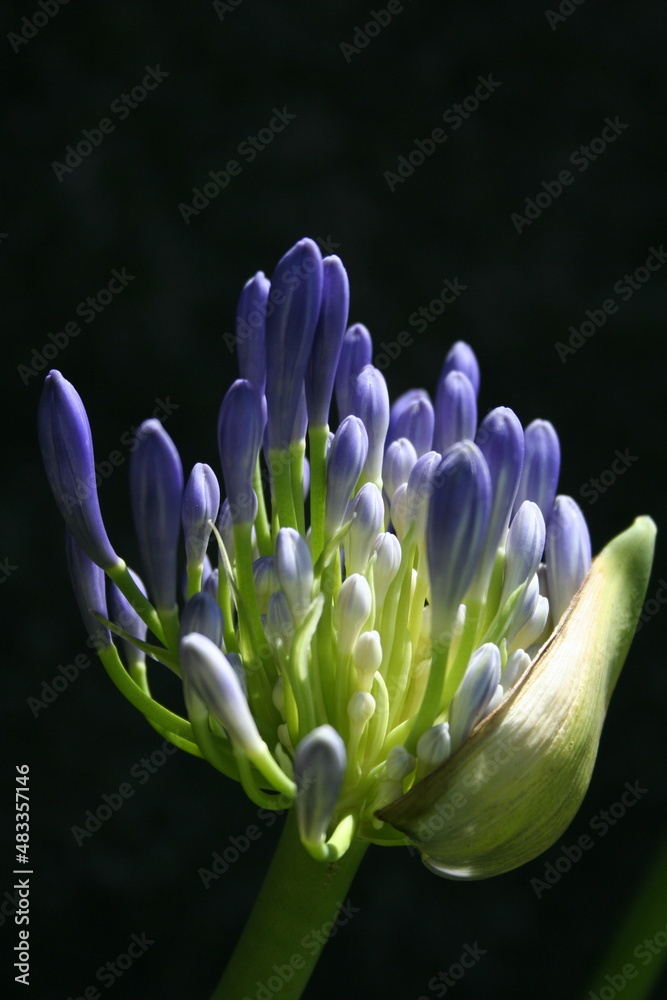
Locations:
column 399, row 600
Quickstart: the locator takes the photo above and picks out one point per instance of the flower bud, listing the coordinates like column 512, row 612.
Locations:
column 366, row 512
column 353, row 608
column 320, row 761
column 568, row 554
column 239, row 438
column 201, row 502
column 399, row 458
column 88, row 585
column 461, row 358
column 371, row 405
column 294, row 569
column 541, row 467
column 67, row 451
column 251, row 330
column 412, row 417
column 455, row 411
column 156, row 480
column 356, row 353
column 203, row 615
column 328, row 340
column 345, row 461
column 522, row 774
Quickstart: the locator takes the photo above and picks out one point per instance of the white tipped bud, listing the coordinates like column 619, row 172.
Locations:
column 400, row 763
column 354, row 606
column 517, row 663
column 360, row 708
column 319, row 768
column 434, row 746
column 387, row 549
column 367, row 658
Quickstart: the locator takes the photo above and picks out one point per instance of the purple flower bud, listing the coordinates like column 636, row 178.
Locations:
column 210, row 684
column 345, row 461
column 202, row 614
column 523, row 548
column 458, row 516
column 355, row 354
column 568, row 554
column 412, row 417
column 211, row 584
column 294, row 569
column 251, row 330
column 296, row 294
column 399, row 459
column 461, row 358
column 279, row 626
column 88, row 584
column 328, row 341
column 201, row 502
column 67, row 451
column 500, row 440
column 239, row 440
column 371, row 405
column 320, row 762
column 156, row 480
column 265, row 579
column 455, row 411
column 541, row 466
column 367, row 513
column 122, row 613
column 471, row 702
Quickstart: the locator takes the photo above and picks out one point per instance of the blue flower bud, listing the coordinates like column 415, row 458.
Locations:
column 568, row 554
column 500, row 440
column 517, row 663
column 210, row 684
column 371, row 405
column 279, row 626
column 367, row 513
column 296, row 294
column 541, row 466
column 156, row 480
column 345, row 460
column 523, row 548
column 328, row 341
column 294, row 569
column 455, row 411
column 461, row 358
column 67, row 451
column 239, row 440
column 123, row 614
column 320, row 761
column 88, row 585
column 458, row 516
column 265, row 579
column 202, row 614
column 356, row 353
column 251, row 330
column 201, row 502
column 475, row 692
column 419, row 490
column 399, row 458
column 412, row 417
column 434, row 746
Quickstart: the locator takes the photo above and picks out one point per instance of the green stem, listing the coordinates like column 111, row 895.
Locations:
column 291, row 919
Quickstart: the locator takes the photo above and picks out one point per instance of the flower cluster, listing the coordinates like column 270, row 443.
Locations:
column 368, row 634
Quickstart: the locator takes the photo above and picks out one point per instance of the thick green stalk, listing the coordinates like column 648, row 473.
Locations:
column 293, row 916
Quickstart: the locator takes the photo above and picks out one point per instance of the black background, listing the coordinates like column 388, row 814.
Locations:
column 163, row 336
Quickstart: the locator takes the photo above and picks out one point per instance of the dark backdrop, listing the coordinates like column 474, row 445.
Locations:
column 552, row 82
